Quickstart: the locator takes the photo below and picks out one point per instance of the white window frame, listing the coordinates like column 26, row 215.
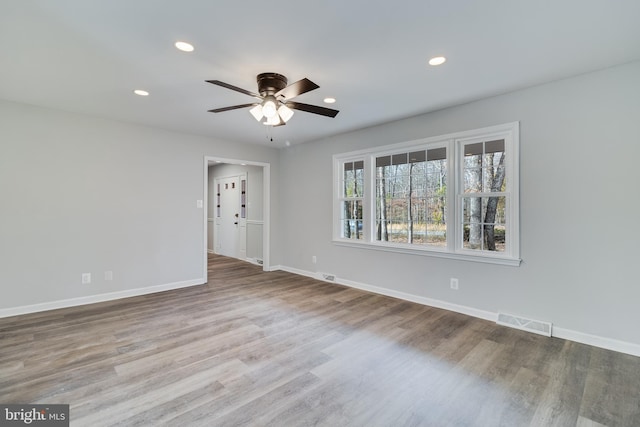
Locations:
column 339, row 197
column 454, row 247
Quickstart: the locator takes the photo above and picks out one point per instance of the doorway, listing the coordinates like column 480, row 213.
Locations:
column 245, row 192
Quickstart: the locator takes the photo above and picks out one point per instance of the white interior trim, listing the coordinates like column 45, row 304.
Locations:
column 92, row 299
column 597, row 341
column 432, row 252
column 568, row 334
column 266, row 205
column 453, row 143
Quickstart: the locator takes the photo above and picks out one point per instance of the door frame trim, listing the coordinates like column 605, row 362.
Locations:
column 266, row 206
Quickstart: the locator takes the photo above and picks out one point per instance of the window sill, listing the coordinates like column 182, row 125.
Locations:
column 461, row 256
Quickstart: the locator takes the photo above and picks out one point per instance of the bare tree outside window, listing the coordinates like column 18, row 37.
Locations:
column 484, row 199
column 353, row 192
column 411, row 197
column 450, row 196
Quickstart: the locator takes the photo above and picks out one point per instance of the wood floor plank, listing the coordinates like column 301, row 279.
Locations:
column 612, row 394
column 560, row 404
column 276, row 349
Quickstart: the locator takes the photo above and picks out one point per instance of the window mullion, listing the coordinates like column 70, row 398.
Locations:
column 468, row 217
column 454, row 213
column 368, row 204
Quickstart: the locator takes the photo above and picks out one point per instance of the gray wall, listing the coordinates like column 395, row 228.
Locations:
column 80, row 194
column 580, row 149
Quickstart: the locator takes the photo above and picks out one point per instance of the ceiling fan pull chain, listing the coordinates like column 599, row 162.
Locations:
column 268, row 133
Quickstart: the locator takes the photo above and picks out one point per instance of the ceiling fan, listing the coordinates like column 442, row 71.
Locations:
column 275, row 107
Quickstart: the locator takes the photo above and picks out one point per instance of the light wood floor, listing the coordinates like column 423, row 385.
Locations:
column 276, row 349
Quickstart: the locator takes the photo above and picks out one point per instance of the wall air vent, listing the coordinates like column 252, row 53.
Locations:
column 529, row 325
column 328, row 277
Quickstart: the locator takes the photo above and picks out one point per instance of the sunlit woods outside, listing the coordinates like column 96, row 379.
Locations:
column 455, row 194
column 483, row 214
column 411, row 197
column 353, row 192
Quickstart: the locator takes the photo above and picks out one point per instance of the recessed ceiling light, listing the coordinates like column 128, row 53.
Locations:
column 141, row 92
column 330, row 100
column 184, row 46
column 437, row 60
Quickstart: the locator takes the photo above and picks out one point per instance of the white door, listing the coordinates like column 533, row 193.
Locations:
column 230, row 230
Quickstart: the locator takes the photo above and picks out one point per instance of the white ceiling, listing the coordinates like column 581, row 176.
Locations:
column 87, row 56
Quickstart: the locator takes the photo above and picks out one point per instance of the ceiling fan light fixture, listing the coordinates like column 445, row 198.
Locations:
column 269, row 108
column 272, row 121
column 256, row 112
column 275, row 107
column 285, row 113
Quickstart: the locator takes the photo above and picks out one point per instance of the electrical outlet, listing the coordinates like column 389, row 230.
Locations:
column 86, row 278
column 314, row 259
column 108, row 275
column 454, row 284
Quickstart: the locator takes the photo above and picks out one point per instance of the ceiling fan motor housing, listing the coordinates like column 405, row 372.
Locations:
column 274, row 93
column 271, row 83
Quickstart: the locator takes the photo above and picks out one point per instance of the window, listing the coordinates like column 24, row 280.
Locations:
column 352, row 188
column 411, row 195
column 483, row 196
column 452, row 196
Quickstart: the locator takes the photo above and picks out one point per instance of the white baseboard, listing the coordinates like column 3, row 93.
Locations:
column 91, row 299
column 486, row 315
column 255, row 261
column 294, row 271
column 597, row 341
column 568, row 334
column 397, row 294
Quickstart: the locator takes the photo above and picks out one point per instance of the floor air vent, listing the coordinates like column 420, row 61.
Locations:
column 328, row 277
column 529, row 325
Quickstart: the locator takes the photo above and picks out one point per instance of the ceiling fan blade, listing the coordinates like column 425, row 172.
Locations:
column 315, row 109
column 297, row 88
column 232, row 87
column 233, row 107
